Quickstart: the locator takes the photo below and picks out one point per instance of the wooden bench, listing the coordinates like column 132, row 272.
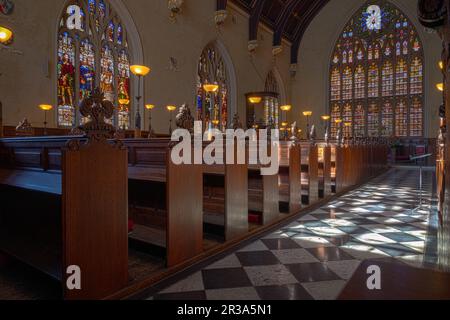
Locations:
column 310, row 173
column 290, row 177
column 165, row 200
column 64, row 203
column 225, row 198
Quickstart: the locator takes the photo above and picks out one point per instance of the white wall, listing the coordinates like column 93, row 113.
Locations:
column 310, row 90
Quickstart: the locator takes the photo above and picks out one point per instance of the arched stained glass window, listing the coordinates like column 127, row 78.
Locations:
column 212, row 70
column 335, row 115
column 401, row 119
column 387, row 119
column 360, row 83
column 347, row 117
column 373, row 120
column 335, row 85
column 385, row 90
column 92, row 51
column 359, row 120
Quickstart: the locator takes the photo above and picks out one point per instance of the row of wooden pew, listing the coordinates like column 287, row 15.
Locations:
column 69, row 200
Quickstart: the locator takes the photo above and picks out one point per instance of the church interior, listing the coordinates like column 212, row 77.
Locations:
column 347, row 98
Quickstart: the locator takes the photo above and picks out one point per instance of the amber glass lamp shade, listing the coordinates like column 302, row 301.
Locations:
column 255, row 100
column 441, row 65
column 5, row 35
column 286, row 108
column 171, row 108
column 124, row 102
column 284, row 124
column 326, row 118
column 45, row 107
column 210, row 88
column 140, row 70
column 348, row 124
column 338, row 121
column 440, row 87
column 307, row 113
column 149, row 106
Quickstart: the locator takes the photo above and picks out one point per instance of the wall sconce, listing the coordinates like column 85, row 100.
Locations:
column 171, row 109
column 440, row 87
column 175, row 8
column 441, row 65
column 308, row 115
column 46, row 108
column 140, row 72
column 151, row 133
column 6, row 35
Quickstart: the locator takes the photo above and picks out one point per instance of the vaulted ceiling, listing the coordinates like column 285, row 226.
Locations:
column 287, row 18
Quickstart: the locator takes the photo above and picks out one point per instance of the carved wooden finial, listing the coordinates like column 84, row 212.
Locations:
column 236, row 124
column 184, row 118
column 97, row 108
column 24, row 128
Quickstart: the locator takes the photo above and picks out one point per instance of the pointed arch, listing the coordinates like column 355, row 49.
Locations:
column 215, row 66
column 381, row 40
column 95, row 50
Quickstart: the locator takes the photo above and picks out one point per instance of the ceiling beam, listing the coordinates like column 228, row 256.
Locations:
column 221, row 5
column 282, row 21
column 255, row 17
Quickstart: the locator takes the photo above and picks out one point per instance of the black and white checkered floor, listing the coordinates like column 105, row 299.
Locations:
column 314, row 257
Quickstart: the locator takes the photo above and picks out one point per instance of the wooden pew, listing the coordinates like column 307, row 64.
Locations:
column 263, row 194
column 64, row 203
column 310, row 172
column 165, row 200
column 225, row 199
column 325, row 169
column 289, row 177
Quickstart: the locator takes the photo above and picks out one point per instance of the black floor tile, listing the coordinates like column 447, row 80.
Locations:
column 288, row 292
column 257, row 258
column 281, row 244
column 312, row 272
column 225, row 278
column 330, row 254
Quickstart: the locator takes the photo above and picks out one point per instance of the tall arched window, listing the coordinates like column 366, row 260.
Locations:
column 272, row 104
column 377, row 71
column 92, row 51
column 212, row 70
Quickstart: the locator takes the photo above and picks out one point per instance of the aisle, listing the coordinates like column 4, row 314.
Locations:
column 314, row 257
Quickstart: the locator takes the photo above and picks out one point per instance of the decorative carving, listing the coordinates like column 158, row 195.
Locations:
column 276, row 50
column 97, row 109
column 175, row 8
column 184, row 118
column 313, row 134
column 432, row 13
column 220, row 17
column 73, row 145
column 236, row 124
column 6, row 7
column 293, row 70
column 252, row 45
column 120, row 134
column 76, row 132
column 294, row 132
column 24, row 129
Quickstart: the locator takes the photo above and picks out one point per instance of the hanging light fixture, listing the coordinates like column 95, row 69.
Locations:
column 6, row 35
column 211, row 87
column 440, row 87
column 255, row 99
column 441, row 65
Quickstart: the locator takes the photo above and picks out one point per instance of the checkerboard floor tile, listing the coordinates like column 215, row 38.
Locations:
column 314, row 257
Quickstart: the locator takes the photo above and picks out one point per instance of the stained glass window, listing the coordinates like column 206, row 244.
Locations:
column 373, row 120
column 387, row 119
column 335, row 115
column 360, row 83
column 92, row 47
column 401, row 119
column 347, row 117
column 347, row 83
column 212, row 70
column 383, row 49
column 359, row 121
column 335, row 85
column 416, row 118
